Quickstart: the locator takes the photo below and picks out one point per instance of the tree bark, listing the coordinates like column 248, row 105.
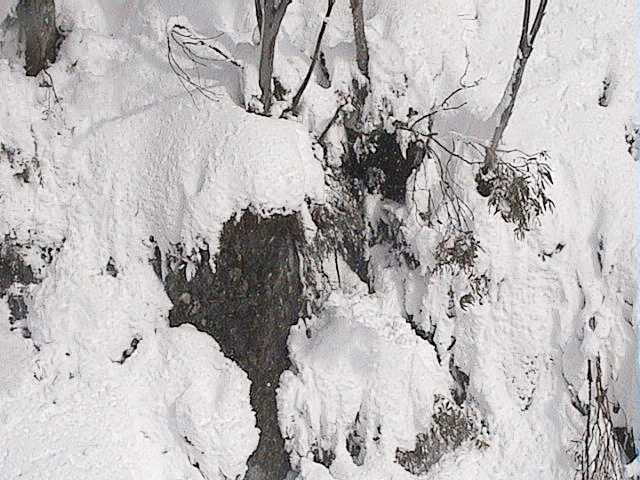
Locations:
column 259, row 14
column 362, row 48
column 37, row 20
column 272, row 16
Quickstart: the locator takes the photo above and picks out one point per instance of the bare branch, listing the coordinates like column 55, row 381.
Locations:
column 524, row 32
column 538, row 21
column 331, row 122
column 444, row 105
column 599, row 456
column 192, row 47
column 314, row 59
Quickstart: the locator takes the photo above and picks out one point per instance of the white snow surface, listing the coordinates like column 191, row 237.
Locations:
column 127, row 154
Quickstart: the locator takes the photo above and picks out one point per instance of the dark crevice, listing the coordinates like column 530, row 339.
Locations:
column 377, row 163
column 356, row 442
column 625, row 438
column 322, row 72
column 418, row 329
column 17, row 308
column 427, row 335
column 605, row 93
column 544, row 255
column 323, row 456
column 13, row 270
column 156, row 260
column 600, row 253
column 343, row 232
column 631, row 132
column 15, row 278
column 129, row 351
column 461, row 381
column 111, row 268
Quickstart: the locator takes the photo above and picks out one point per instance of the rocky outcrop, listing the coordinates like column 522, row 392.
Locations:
column 248, row 305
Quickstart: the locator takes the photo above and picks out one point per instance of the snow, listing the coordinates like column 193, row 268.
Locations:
column 123, row 156
column 127, row 154
column 534, row 329
column 360, row 358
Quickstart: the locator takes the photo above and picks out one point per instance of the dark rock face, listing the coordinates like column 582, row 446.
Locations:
column 15, row 277
column 37, row 19
column 12, row 268
column 248, row 306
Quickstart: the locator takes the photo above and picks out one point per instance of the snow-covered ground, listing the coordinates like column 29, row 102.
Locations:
column 117, row 152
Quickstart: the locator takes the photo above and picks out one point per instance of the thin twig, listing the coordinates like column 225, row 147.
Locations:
column 331, row 122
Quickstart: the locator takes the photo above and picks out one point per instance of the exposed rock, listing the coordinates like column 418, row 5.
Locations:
column 38, row 29
column 248, row 306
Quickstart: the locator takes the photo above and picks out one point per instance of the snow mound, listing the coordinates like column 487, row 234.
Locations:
column 360, row 362
column 195, row 169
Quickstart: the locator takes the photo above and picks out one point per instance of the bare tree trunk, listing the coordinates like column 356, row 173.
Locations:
column 362, row 49
column 355, row 120
column 37, row 19
column 259, row 14
column 314, row 59
column 272, row 15
column 508, row 101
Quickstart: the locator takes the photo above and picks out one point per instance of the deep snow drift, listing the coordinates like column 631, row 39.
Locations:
column 116, row 158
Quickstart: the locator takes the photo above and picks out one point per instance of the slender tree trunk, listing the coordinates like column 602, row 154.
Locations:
column 259, row 14
column 37, row 19
column 267, row 48
column 355, row 121
column 362, row 48
column 507, row 103
column 272, row 15
column 505, row 108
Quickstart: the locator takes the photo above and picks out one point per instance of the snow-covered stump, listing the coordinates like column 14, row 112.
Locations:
column 248, row 305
